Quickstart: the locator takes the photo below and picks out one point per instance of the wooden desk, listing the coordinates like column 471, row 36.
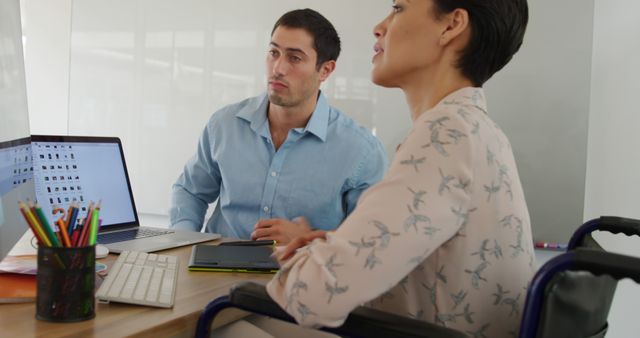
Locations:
column 194, row 291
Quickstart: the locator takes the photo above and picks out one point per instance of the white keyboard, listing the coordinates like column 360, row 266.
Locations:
column 141, row 278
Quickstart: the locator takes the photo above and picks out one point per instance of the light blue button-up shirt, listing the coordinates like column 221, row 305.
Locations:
column 318, row 172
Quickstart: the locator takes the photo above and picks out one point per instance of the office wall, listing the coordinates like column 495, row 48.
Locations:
column 541, row 100
column 613, row 170
column 46, row 27
column 152, row 72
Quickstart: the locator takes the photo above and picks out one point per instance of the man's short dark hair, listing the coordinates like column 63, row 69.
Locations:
column 325, row 38
column 497, row 30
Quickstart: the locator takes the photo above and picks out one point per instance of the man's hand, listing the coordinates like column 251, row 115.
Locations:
column 284, row 253
column 280, row 230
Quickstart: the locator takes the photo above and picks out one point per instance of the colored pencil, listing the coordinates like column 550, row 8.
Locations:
column 36, row 232
column 45, row 224
column 45, row 240
column 63, row 233
column 82, row 239
column 67, row 221
column 93, row 235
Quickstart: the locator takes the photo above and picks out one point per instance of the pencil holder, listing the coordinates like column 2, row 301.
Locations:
column 66, row 280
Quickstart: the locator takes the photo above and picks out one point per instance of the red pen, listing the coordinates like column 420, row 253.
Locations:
column 550, row 246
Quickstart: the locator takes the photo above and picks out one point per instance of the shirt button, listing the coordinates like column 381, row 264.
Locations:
column 266, row 209
column 274, row 174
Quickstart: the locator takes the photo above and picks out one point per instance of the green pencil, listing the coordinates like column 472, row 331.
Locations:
column 93, row 235
column 47, row 228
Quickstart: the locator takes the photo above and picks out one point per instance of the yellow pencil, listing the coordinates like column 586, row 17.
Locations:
column 40, row 232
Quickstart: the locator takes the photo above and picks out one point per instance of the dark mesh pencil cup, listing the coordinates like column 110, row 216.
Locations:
column 66, row 280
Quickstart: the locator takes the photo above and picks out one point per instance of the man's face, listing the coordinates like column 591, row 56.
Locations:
column 291, row 67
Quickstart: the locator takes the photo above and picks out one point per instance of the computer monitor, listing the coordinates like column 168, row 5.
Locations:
column 16, row 182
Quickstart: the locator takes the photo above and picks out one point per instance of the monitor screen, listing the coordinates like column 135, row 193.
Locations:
column 82, row 170
column 16, row 184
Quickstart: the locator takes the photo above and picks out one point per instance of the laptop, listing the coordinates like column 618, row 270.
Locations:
column 86, row 169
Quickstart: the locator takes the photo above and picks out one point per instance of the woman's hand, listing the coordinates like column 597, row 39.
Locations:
column 282, row 254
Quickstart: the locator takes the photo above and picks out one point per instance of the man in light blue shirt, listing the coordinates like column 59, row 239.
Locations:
column 283, row 163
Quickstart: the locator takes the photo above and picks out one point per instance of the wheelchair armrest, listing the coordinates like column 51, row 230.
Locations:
column 606, row 263
column 253, row 297
column 362, row 322
column 612, row 224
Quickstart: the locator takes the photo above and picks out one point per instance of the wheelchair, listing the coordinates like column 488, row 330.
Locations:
column 569, row 296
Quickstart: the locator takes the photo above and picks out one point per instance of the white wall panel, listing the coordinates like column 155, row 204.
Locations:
column 47, row 30
column 613, row 170
column 152, row 72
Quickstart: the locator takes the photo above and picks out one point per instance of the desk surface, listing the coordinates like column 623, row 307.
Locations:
column 194, row 291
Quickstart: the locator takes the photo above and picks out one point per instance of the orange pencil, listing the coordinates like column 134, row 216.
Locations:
column 57, row 209
column 63, row 233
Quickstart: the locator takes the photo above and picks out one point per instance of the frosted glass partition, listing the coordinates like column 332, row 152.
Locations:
column 152, row 72
column 14, row 118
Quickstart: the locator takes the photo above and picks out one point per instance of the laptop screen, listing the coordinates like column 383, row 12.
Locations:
column 83, row 169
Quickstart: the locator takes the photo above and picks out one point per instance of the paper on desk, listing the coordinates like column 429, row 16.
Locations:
column 24, row 247
column 22, row 258
column 27, row 265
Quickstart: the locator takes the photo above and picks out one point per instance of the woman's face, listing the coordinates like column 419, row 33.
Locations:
column 407, row 43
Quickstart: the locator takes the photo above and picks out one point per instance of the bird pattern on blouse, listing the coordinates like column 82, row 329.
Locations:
column 443, row 136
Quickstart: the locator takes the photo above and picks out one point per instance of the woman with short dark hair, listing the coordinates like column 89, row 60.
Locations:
column 445, row 237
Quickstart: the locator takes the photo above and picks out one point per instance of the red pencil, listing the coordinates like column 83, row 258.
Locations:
column 82, row 239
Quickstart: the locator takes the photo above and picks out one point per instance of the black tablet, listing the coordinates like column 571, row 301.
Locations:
column 231, row 258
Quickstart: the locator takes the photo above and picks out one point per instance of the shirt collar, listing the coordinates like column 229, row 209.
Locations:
column 319, row 121
column 467, row 96
column 256, row 115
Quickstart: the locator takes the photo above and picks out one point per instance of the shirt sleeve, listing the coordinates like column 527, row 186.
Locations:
column 369, row 172
column 197, row 186
column 397, row 224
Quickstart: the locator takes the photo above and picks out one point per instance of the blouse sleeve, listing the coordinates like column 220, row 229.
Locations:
column 421, row 203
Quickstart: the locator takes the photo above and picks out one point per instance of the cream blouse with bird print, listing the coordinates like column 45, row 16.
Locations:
column 445, row 237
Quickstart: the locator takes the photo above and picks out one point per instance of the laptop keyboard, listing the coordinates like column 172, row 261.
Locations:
column 120, row 236
column 141, row 278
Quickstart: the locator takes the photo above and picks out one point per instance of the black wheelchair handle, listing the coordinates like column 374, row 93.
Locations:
column 606, row 263
column 615, row 224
